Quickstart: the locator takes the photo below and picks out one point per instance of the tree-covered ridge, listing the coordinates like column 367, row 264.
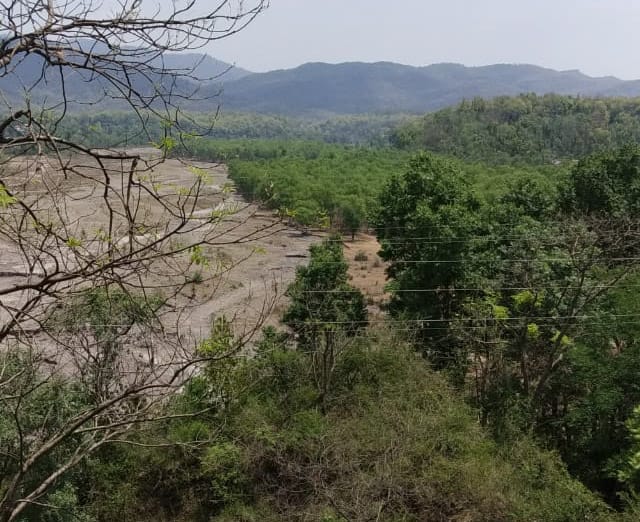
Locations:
column 523, row 129
column 385, row 87
column 526, row 128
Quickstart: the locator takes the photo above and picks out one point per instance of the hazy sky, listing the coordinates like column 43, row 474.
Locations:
column 599, row 37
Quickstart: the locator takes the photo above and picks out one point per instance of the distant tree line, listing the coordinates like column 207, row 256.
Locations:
column 119, row 128
column 525, row 129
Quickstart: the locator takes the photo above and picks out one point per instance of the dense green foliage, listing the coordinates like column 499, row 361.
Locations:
column 525, row 128
column 525, row 294
column 522, row 129
column 289, row 434
column 606, row 185
column 322, row 300
column 394, row 443
column 45, row 414
column 317, row 182
column 600, row 390
column 336, row 185
column 324, row 311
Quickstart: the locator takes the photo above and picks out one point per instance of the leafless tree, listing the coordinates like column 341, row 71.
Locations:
column 98, row 250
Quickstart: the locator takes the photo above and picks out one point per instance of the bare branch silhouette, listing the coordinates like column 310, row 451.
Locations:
column 101, row 249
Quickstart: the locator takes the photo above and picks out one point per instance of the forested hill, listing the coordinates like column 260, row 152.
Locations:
column 313, row 89
column 389, row 87
column 525, row 128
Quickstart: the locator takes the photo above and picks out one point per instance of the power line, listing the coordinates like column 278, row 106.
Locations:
column 489, row 237
column 424, row 324
column 421, row 321
column 457, row 327
column 483, row 260
column 485, row 289
column 450, row 320
column 513, row 225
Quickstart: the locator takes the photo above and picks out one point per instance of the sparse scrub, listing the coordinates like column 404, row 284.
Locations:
column 361, row 256
column 195, row 277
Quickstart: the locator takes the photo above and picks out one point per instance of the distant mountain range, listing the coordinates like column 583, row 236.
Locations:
column 388, row 87
column 347, row 88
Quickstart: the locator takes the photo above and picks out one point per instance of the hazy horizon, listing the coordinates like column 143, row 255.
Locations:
column 543, row 66
column 592, row 36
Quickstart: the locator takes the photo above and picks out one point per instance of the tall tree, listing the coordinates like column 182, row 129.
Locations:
column 325, row 309
column 421, row 218
column 502, row 292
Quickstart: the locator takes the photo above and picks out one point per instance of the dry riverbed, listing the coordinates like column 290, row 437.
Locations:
column 246, row 282
column 254, row 258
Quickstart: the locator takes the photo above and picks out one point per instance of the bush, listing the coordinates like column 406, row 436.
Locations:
column 395, row 444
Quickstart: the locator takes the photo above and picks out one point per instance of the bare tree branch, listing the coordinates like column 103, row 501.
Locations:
column 99, row 247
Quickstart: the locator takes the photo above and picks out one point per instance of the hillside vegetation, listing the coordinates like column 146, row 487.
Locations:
column 525, row 128
column 513, row 280
column 376, row 435
column 498, row 382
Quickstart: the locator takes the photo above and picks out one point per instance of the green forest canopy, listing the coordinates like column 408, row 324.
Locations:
column 525, row 129
column 337, row 183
